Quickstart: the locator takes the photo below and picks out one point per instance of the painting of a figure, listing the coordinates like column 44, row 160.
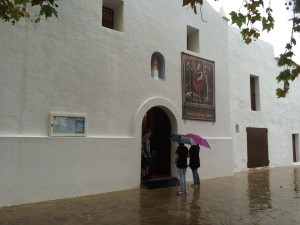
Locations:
column 198, row 88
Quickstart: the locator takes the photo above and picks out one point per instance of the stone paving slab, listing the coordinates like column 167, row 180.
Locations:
column 259, row 197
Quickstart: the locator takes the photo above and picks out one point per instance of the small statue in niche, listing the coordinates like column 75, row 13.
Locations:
column 154, row 68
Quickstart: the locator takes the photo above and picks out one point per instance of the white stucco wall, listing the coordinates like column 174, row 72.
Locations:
column 73, row 64
column 279, row 116
column 35, row 169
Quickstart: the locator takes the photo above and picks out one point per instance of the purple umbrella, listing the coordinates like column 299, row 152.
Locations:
column 199, row 140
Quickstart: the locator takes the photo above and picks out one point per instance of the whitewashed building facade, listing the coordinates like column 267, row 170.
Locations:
column 75, row 67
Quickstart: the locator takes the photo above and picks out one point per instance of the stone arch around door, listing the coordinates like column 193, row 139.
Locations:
column 170, row 110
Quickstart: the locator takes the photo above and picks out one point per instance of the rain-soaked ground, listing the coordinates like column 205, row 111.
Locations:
column 261, row 196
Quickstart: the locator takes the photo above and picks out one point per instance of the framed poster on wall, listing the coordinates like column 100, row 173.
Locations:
column 67, row 124
column 198, row 88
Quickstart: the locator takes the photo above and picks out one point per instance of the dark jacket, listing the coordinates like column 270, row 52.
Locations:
column 182, row 152
column 194, row 156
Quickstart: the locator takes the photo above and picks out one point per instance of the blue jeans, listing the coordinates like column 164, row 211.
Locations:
column 196, row 176
column 182, row 180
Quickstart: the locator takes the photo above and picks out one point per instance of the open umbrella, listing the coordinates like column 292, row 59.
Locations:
column 198, row 139
column 180, row 138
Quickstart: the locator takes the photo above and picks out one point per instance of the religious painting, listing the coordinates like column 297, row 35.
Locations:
column 198, row 88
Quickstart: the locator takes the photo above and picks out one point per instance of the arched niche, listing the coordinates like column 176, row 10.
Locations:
column 157, row 66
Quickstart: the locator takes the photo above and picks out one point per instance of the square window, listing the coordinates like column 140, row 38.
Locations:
column 112, row 14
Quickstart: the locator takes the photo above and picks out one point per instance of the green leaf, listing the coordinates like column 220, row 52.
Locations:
column 267, row 25
column 288, row 46
column 296, row 20
column 289, row 54
column 256, row 17
column 269, row 10
column 256, row 35
column 192, row 3
column 36, row 2
column 284, row 75
column 233, row 15
column 37, row 20
column 293, row 41
column 21, row 2
column 46, row 10
column 282, row 60
column 238, row 19
column 185, row 2
column 280, row 93
column 296, row 28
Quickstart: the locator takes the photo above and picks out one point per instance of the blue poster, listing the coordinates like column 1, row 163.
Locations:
column 68, row 125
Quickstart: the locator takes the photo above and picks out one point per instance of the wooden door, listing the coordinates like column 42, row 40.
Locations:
column 257, row 147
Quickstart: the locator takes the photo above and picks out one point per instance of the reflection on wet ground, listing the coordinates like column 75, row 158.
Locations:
column 258, row 197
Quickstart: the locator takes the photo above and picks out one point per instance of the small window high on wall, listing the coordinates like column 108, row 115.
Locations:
column 254, row 93
column 112, row 14
column 192, row 39
column 157, row 66
column 107, row 17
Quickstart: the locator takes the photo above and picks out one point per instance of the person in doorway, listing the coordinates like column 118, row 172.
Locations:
column 153, row 150
column 181, row 164
column 195, row 163
column 146, row 155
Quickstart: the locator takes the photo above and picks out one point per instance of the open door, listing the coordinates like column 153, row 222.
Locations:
column 158, row 122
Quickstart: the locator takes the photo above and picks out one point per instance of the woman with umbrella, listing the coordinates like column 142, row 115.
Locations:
column 195, row 163
column 181, row 164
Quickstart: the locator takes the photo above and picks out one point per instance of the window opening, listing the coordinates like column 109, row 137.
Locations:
column 107, row 17
column 254, row 93
column 237, row 128
column 192, row 39
column 295, row 148
column 113, row 14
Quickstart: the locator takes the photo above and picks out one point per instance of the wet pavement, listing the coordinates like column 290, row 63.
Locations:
column 260, row 196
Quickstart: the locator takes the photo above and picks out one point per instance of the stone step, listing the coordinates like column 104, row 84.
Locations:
column 160, row 183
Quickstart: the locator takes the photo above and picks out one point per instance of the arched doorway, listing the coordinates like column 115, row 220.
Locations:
column 159, row 123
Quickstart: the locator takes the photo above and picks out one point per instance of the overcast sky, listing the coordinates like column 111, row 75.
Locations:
column 282, row 29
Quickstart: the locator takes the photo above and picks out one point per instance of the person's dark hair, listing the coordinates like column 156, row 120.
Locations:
column 195, row 147
column 146, row 131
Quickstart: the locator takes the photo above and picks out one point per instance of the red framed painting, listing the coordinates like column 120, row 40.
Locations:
column 198, row 88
